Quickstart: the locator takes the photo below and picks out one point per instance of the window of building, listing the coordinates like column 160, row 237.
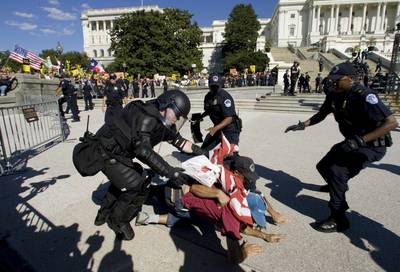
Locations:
column 93, row 26
column 95, row 53
column 291, row 30
column 101, row 25
column 108, row 25
column 340, row 14
column 322, row 14
column 109, row 52
column 292, row 15
column 92, row 39
column 101, row 53
column 209, row 39
column 352, row 26
column 99, row 39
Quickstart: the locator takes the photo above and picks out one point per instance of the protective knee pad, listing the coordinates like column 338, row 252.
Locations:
column 124, row 177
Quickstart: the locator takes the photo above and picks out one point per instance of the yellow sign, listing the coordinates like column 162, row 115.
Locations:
column 173, row 76
column 253, row 68
column 26, row 68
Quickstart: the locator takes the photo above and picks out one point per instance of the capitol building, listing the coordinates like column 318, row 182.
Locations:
column 339, row 25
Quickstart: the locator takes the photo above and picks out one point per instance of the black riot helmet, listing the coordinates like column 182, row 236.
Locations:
column 177, row 100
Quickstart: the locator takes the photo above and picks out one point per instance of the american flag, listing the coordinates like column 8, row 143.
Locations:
column 20, row 53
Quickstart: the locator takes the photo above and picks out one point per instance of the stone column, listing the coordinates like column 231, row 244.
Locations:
column 383, row 18
column 363, row 18
column 312, row 27
column 350, row 20
column 97, row 25
column 377, row 21
column 335, row 29
column 331, row 28
column 318, row 20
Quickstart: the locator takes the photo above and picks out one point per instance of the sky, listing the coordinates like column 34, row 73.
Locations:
column 39, row 24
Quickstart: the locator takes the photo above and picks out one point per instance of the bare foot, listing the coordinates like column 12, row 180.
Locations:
column 279, row 218
column 273, row 238
column 251, row 250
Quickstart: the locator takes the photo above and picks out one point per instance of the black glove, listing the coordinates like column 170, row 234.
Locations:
column 299, row 126
column 197, row 151
column 352, row 144
column 177, row 178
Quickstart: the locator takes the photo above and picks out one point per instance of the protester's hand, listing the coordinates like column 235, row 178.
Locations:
column 352, row 144
column 177, row 178
column 212, row 130
column 223, row 198
column 250, row 250
column 299, row 126
column 273, row 238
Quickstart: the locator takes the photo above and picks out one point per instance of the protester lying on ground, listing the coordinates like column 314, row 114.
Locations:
column 228, row 204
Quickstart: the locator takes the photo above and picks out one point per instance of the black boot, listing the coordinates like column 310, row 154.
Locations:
column 101, row 218
column 337, row 223
column 127, row 232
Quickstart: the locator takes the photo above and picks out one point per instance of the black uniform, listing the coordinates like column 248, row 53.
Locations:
column 219, row 105
column 87, row 95
column 358, row 112
column 152, row 89
column 114, row 95
column 294, row 75
column 69, row 93
column 132, row 133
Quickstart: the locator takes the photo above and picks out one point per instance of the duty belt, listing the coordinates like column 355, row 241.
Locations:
column 380, row 142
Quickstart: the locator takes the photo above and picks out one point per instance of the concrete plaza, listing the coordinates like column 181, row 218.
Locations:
column 47, row 212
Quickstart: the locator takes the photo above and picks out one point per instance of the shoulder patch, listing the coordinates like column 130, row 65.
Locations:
column 372, row 99
column 228, row 103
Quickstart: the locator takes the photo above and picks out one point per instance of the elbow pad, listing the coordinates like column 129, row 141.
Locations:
column 179, row 142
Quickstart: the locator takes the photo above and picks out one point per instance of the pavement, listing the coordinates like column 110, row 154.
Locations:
column 47, row 211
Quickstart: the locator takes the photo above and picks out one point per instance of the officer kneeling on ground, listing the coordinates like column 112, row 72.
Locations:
column 219, row 105
column 365, row 123
column 133, row 133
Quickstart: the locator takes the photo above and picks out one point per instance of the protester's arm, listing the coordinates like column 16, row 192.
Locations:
column 220, row 126
column 267, row 237
column 203, row 191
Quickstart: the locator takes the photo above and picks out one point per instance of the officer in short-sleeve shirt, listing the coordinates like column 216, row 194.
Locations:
column 220, row 106
column 365, row 122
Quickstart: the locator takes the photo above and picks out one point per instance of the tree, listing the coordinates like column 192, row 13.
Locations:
column 7, row 63
column 75, row 57
column 158, row 43
column 241, row 33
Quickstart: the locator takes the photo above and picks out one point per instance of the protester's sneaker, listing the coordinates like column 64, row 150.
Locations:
column 127, row 232
column 142, row 219
column 324, row 188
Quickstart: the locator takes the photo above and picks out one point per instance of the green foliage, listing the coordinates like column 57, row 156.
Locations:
column 154, row 42
column 73, row 56
column 241, row 33
column 9, row 64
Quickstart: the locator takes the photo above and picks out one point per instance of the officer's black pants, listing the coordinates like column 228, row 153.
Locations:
column 144, row 93
column 292, row 86
column 153, row 93
column 337, row 167
column 210, row 142
column 72, row 104
column 88, row 102
column 61, row 101
column 112, row 110
column 126, row 194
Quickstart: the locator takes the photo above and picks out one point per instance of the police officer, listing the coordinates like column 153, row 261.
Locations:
column 294, row 75
column 113, row 98
column 365, row 122
column 69, row 94
column 219, row 105
column 133, row 133
column 87, row 94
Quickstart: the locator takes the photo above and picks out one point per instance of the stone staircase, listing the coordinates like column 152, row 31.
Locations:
column 283, row 54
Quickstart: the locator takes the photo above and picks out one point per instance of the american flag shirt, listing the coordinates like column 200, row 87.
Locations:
column 232, row 184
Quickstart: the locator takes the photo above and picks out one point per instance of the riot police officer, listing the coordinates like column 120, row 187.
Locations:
column 87, row 94
column 133, row 133
column 113, row 97
column 220, row 106
column 365, row 122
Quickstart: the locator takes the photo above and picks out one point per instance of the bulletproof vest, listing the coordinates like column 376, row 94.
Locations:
column 114, row 95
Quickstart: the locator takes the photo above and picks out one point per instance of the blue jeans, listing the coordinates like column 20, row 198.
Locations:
column 3, row 89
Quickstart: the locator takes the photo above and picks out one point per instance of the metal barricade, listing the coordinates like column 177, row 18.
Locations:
column 27, row 128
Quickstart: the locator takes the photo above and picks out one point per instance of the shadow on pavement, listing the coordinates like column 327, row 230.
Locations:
column 44, row 245
column 382, row 244
column 395, row 169
column 287, row 190
column 116, row 260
